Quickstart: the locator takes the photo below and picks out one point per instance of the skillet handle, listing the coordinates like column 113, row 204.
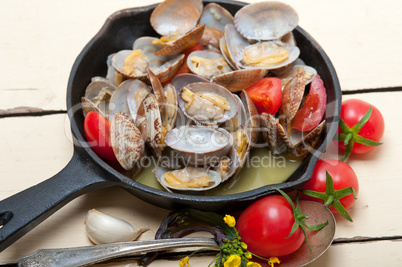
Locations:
column 23, row 211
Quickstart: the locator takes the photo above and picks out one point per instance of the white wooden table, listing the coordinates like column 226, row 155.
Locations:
column 39, row 41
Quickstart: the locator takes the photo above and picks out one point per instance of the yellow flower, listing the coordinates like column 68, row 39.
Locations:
column 273, row 260
column 185, row 262
column 230, row 220
column 253, row 264
column 247, row 255
column 233, row 261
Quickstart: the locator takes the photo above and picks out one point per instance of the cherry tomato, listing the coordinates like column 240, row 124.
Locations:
column 266, row 95
column 97, row 132
column 265, row 225
column 310, row 115
column 352, row 111
column 343, row 176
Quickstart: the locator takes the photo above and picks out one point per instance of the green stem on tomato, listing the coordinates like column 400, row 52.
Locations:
column 331, row 196
column 349, row 136
column 299, row 218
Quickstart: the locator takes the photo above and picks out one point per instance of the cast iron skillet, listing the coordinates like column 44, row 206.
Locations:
column 87, row 172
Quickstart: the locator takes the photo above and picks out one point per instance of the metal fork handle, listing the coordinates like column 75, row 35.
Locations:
column 80, row 256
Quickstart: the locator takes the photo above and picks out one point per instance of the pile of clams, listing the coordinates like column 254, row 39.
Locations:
column 201, row 125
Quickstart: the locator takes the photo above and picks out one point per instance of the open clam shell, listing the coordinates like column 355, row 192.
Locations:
column 118, row 102
column 264, row 48
column 209, row 88
column 237, row 80
column 215, row 16
column 126, row 140
column 229, row 165
column 266, row 20
column 292, row 96
column 274, row 134
column 157, row 90
column 233, row 44
column 97, row 96
column 137, row 91
column 189, row 177
column 169, row 116
column 149, row 123
column 225, row 52
column 164, row 67
column 252, row 124
column 307, row 143
column 295, row 69
column 141, row 64
column 184, row 42
column 183, row 79
column 199, row 145
column 176, row 16
column 240, row 118
column 207, row 64
column 99, row 90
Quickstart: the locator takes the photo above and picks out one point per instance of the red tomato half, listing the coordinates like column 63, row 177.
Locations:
column 266, row 95
column 97, row 132
column 310, row 115
column 352, row 111
column 342, row 175
column 265, row 225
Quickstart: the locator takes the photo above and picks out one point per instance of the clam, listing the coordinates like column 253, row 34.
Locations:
column 136, row 93
column 268, row 20
column 310, row 72
column 255, row 39
column 97, row 96
column 274, row 134
column 119, row 100
column 188, row 178
column 268, row 55
column 131, row 64
column 126, row 140
column 215, row 17
column 149, row 123
column 210, row 39
column 199, row 145
column 183, row 79
column 177, row 22
column 229, row 165
column 237, row 80
column 164, row 67
column 207, row 64
column 292, row 97
column 225, row 52
column 171, row 107
column 112, row 75
column 253, row 119
column 207, row 103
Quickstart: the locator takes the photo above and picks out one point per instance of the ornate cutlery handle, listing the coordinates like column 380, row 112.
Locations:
column 79, row 256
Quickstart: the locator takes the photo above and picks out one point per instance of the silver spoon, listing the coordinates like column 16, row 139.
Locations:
column 79, row 256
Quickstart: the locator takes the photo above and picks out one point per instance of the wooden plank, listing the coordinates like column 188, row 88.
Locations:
column 40, row 41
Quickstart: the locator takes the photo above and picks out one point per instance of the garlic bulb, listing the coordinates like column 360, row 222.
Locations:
column 102, row 228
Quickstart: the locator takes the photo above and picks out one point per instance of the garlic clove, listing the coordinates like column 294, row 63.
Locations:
column 102, row 228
